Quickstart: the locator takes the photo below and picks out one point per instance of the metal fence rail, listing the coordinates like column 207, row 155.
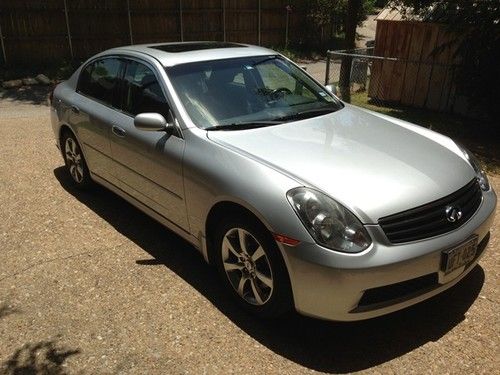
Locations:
column 389, row 81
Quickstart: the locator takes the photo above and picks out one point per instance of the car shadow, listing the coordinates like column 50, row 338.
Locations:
column 319, row 345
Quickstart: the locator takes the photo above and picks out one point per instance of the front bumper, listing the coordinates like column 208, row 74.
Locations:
column 384, row 278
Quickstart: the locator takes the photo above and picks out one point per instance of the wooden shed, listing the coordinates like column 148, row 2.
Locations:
column 418, row 62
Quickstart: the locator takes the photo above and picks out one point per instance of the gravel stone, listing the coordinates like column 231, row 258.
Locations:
column 12, row 84
column 43, row 79
column 30, row 81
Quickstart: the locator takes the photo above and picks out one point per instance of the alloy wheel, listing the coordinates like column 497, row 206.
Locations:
column 247, row 266
column 74, row 159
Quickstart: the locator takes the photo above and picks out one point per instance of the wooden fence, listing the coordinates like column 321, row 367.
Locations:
column 418, row 68
column 43, row 31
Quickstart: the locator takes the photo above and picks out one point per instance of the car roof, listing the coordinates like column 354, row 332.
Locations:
column 170, row 54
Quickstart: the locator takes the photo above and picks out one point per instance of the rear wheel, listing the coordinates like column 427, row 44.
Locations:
column 75, row 161
column 252, row 267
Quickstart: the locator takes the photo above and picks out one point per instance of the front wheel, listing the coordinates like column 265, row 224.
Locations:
column 252, row 267
column 75, row 161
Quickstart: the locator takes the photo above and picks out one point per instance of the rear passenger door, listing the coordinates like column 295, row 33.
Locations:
column 95, row 110
column 148, row 165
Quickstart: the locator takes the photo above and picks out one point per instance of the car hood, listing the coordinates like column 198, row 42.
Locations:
column 373, row 164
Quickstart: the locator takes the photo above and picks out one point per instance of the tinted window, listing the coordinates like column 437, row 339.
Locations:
column 142, row 91
column 100, row 80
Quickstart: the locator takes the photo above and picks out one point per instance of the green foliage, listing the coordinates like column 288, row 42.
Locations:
column 368, row 8
column 325, row 12
column 381, row 3
column 326, row 20
column 290, row 53
column 477, row 26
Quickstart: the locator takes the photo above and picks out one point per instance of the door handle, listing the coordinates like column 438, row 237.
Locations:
column 119, row 132
column 75, row 109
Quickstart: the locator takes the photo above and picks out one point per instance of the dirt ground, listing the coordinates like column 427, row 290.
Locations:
column 90, row 285
column 366, row 31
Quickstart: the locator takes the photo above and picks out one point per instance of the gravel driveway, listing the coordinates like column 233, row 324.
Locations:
column 88, row 284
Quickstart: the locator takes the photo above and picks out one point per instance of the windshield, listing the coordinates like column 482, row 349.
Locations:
column 259, row 91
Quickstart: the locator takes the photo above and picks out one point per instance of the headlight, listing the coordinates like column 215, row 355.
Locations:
column 476, row 165
column 328, row 222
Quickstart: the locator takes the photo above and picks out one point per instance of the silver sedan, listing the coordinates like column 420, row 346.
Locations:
column 300, row 200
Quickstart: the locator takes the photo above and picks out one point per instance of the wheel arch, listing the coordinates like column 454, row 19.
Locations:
column 224, row 208
column 65, row 128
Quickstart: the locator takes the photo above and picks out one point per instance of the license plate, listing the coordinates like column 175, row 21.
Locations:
column 459, row 256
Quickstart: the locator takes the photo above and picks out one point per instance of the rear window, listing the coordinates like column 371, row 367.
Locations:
column 100, row 80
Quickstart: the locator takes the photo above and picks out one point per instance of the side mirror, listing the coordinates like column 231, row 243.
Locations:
column 152, row 122
column 332, row 89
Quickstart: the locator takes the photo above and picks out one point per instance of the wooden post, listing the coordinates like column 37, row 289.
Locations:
column 129, row 23
column 353, row 8
column 180, row 20
column 286, row 29
column 259, row 23
column 327, row 72
column 67, row 28
column 224, row 18
column 3, row 46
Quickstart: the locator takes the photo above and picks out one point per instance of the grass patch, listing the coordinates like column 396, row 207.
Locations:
column 481, row 137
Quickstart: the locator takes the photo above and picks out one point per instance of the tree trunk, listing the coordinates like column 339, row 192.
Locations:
column 353, row 9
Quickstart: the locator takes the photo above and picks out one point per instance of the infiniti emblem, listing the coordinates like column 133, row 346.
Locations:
column 453, row 214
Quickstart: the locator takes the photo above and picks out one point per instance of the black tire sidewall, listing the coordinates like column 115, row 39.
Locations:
column 280, row 301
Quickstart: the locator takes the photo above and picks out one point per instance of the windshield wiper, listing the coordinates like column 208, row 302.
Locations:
column 306, row 114
column 244, row 125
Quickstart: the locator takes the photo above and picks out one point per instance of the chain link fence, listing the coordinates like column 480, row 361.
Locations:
column 362, row 78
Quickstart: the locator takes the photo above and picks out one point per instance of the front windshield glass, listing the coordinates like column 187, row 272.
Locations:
column 261, row 91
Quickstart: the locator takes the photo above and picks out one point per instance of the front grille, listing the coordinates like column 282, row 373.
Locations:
column 430, row 219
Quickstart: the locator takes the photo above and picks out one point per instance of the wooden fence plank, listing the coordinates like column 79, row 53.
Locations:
column 425, row 67
column 414, row 55
column 400, row 48
column 449, row 90
column 438, row 77
column 386, row 80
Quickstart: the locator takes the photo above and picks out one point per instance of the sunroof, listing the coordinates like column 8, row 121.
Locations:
column 187, row 47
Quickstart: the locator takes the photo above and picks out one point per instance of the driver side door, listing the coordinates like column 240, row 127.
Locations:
column 148, row 164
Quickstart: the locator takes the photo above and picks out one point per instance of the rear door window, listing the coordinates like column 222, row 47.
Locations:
column 101, row 80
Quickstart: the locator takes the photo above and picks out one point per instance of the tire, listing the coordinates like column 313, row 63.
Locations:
column 75, row 161
column 254, row 273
